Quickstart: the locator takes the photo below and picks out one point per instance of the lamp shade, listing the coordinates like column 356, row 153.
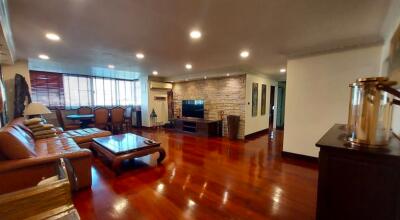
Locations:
column 36, row 108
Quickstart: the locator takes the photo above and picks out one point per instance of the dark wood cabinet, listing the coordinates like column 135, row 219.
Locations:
column 357, row 182
column 199, row 127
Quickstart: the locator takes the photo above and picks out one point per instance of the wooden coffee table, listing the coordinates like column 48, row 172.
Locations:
column 117, row 148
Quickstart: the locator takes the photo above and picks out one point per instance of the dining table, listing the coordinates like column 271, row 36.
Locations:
column 85, row 119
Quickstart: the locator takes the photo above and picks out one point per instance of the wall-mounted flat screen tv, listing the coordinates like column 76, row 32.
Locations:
column 193, row 108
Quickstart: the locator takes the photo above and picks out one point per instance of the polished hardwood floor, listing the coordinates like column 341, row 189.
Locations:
column 204, row 178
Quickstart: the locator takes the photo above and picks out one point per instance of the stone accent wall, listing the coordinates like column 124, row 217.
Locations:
column 226, row 94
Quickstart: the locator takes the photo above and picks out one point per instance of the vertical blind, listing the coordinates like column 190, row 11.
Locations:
column 75, row 91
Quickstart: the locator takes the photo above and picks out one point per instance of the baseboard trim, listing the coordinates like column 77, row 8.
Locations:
column 256, row 134
column 299, row 157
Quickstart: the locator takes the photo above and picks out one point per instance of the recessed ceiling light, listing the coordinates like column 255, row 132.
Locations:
column 111, row 66
column 228, row 74
column 53, row 36
column 43, row 57
column 283, row 70
column 139, row 55
column 195, row 34
column 188, row 66
column 244, row 54
column 155, row 73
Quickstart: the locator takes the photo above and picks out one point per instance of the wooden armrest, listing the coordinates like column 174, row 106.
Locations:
column 38, row 202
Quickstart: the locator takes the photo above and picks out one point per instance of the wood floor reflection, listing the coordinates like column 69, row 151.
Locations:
column 204, row 178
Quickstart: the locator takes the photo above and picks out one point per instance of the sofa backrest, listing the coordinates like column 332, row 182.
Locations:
column 15, row 141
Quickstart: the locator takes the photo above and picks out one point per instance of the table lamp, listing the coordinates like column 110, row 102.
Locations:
column 36, row 109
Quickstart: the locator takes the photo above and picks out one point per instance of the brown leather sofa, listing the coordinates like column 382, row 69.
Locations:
column 25, row 161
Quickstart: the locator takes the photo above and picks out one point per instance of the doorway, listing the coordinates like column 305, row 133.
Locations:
column 271, row 109
column 280, row 106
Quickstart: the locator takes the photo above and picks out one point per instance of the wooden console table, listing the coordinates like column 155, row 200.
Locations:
column 357, row 182
column 199, row 126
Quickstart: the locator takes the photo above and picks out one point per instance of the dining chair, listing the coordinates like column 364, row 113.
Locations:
column 86, row 110
column 128, row 118
column 62, row 123
column 117, row 119
column 101, row 118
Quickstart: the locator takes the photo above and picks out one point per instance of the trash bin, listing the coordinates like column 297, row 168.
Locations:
column 233, row 126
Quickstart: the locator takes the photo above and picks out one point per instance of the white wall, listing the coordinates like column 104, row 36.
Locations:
column 159, row 106
column 317, row 94
column 144, row 105
column 148, row 103
column 260, row 122
column 9, row 72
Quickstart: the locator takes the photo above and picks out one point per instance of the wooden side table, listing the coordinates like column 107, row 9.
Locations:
column 357, row 182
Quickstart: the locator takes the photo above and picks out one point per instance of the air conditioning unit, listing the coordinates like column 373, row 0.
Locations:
column 160, row 85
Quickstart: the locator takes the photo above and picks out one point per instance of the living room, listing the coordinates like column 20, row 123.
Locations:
column 199, row 110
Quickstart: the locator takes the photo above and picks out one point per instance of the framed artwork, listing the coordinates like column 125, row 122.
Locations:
column 263, row 99
column 254, row 100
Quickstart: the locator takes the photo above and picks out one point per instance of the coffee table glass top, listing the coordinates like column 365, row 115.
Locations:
column 123, row 143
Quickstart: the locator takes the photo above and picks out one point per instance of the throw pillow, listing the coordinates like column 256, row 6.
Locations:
column 32, row 126
column 45, row 136
column 32, row 121
column 43, row 127
column 43, row 132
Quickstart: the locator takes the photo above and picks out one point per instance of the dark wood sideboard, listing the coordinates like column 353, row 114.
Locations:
column 199, row 126
column 357, row 182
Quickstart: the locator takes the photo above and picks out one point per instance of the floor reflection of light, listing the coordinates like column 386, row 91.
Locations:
column 160, row 188
column 191, row 203
column 188, row 213
column 120, row 205
column 272, row 135
column 187, row 180
column 205, row 185
column 203, row 189
column 172, row 175
column 225, row 199
column 276, row 198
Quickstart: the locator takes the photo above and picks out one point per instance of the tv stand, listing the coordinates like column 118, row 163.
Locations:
column 198, row 126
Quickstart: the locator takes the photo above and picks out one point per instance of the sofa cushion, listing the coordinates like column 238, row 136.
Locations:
column 85, row 135
column 56, row 145
column 16, row 143
column 24, row 128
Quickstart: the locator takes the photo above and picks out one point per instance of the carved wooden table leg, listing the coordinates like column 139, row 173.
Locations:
column 162, row 155
column 116, row 166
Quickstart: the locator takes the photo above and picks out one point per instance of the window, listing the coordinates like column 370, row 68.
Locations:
column 78, row 91
column 72, row 91
column 47, row 88
column 112, row 92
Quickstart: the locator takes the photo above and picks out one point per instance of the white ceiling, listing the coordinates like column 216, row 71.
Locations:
column 96, row 33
